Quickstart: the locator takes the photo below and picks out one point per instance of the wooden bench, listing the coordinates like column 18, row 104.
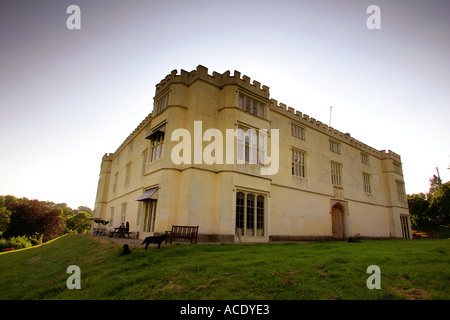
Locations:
column 119, row 233
column 182, row 232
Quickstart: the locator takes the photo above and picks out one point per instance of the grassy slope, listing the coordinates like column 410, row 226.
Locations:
column 417, row 269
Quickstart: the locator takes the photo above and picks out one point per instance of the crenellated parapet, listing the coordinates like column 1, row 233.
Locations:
column 132, row 135
column 107, row 157
column 216, row 79
column 221, row 80
column 390, row 155
column 311, row 122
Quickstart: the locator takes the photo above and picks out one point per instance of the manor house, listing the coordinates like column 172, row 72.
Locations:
column 281, row 175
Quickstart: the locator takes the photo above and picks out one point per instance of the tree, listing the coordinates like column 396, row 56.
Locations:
column 419, row 211
column 5, row 215
column 79, row 222
column 5, row 218
column 84, row 209
column 440, row 205
column 435, row 183
column 32, row 217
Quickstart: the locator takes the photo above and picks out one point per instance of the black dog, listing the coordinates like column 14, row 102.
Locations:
column 156, row 240
column 126, row 250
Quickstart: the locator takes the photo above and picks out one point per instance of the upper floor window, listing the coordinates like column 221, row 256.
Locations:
column 336, row 174
column 335, row 147
column 127, row 173
column 298, row 163
column 365, row 159
column 366, row 183
column 297, row 131
column 161, row 103
column 251, row 146
column 251, row 105
column 398, row 168
column 144, row 161
column 116, row 178
column 156, row 146
column 401, row 195
column 156, row 138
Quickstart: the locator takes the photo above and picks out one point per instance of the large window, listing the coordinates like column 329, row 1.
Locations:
column 398, row 168
column 366, row 183
column 161, row 103
column 251, row 105
column 250, row 211
column 335, row 147
column 111, row 216
column 401, row 195
column 336, row 174
column 144, row 161
column 123, row 213
column 298, row 163
column 156, row 146
column 116, row 178
column 404, row 221
column 251, row 146
column 127, row 173
column 365, row 159
column 297, row 131
column 150, row 215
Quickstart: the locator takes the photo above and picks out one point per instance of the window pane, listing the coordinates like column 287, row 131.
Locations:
column 250, row 215
column 248, row 107
column 247, row 149
column 240, row 198
column 260, row 216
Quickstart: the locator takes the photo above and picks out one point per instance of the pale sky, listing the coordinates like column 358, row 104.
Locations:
column 69, row 96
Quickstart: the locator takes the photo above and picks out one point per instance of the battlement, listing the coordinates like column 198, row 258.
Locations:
column 216, row 79
column 132, row 135
column 107, row 157
column 330, row 131
column 226, row 78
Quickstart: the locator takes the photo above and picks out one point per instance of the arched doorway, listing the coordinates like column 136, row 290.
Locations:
column 337, row 222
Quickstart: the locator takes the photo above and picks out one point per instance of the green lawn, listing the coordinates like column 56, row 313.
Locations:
column 417, row 269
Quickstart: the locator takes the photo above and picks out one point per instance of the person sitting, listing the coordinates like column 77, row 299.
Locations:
column 121, row 231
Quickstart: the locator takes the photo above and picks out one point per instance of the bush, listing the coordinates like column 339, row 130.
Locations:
column 15, row 242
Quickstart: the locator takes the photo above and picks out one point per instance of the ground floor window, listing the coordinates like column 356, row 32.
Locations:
column 250, row 211
column 405, row 227
column 149, row 215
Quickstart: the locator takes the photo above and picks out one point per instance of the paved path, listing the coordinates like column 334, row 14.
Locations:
column 132, row 242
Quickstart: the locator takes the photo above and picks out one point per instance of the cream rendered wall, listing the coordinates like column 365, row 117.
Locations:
column 205, row 195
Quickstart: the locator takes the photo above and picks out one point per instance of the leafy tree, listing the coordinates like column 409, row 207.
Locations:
column 31, row 217
column 440, row 205
column 79, row 222
column 84, row 209
column 431, row 210
column 435, row 183
column 419, row 210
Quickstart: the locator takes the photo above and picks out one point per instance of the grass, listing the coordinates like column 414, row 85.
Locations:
column 417, row 269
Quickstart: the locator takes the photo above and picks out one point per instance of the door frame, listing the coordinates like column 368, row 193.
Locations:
column 343, row 207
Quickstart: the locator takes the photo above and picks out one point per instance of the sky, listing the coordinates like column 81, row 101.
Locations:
column 68, row 96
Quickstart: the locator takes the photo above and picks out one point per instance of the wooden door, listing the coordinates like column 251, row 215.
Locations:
column 337, row 220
